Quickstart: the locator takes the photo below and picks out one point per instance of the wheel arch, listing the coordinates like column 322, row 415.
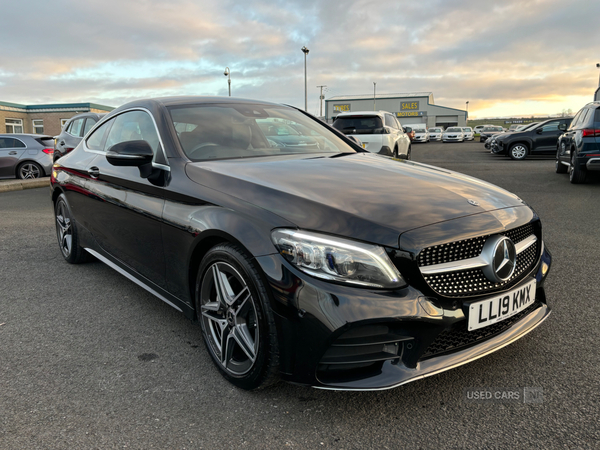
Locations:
column 28, row 160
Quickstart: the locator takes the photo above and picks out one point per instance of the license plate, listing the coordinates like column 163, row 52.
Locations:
column 496, row 309
column 364, row 145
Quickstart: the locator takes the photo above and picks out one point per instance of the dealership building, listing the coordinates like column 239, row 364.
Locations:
column 417, row 107
column 42, row 119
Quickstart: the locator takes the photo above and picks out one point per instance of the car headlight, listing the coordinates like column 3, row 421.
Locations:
column 337, row 259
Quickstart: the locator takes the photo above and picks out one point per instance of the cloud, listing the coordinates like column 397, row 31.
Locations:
column 111, row 51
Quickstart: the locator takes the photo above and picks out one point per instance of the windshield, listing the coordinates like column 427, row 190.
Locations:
column 225, row 131
column 435, row 130
column 493, row 129
column 454, row 130
column 468, row 130
column 359, row 125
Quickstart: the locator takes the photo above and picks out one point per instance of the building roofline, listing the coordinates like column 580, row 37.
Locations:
column 57, row 106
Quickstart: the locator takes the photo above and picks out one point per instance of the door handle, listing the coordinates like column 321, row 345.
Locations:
column 61, row 143
column 12, row 153
column 94, row 172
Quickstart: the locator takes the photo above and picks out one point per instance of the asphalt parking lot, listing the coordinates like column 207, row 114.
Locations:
column 90, row 360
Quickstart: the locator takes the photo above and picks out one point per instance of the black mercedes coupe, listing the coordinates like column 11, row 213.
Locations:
column 311, row 261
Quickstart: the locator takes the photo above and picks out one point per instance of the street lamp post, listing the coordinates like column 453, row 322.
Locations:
column 467, row 118
column 227, row 73
column 598, row 66
column 305, row 51
column 374, row 90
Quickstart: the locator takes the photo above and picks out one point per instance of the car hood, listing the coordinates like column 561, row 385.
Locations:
column 361, row 196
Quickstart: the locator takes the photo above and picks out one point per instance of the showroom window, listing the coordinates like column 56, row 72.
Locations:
column 14, row 125
column 38, row 126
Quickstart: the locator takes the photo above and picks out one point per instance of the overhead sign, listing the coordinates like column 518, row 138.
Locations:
column 341, row 108
column 409, row 106
column 411, row 113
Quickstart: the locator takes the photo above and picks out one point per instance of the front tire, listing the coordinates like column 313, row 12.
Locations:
column 518, row 152
column 558, row 165
column 235, row 315
column 67, row 234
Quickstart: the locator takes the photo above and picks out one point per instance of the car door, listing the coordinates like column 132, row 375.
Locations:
column 125, row 210
column 546, row 137
column 11, row 150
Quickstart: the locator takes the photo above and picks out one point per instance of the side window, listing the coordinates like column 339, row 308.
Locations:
column 133, row 126
column 584, row 119
column 6, row 142
column 575, row 119
column 597, row 116
column 18, row 144
column 550, row 126
column 390, row 121
column 96, row 140
column 89, row 123
column 76, row 126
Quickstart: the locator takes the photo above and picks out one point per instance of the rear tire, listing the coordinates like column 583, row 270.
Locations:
column 576, row 173
column 235, row 315
column 29, row 170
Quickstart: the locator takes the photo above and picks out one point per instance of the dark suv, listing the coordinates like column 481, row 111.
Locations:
column 578, row 149
column 537, row 140
column 73, row 131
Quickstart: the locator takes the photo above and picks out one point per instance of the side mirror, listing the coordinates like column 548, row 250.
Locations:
column 132, row 154
column 539, row 130
column 407, row 129
column 562, row 127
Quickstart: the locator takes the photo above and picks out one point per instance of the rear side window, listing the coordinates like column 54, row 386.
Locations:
column 390, row 121
column 11, row 143
column 76, row 126
column 89, row 123
column 551, row 126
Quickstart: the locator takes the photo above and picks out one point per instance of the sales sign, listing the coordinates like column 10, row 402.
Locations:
column 409, row 106
column 341, row 108
column 410, row 114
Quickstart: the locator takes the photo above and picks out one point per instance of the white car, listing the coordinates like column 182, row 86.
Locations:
column 468, row 132
column 421, row 134
column 453, row 134
column 379, row 131
column 435, row 134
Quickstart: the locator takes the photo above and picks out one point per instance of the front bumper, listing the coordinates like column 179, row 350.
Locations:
column 339, row 337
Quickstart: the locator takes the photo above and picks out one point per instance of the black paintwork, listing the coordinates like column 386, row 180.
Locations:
column 540, row 139
column 157, row 229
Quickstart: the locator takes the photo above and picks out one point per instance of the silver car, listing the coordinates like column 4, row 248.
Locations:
column 25, row 155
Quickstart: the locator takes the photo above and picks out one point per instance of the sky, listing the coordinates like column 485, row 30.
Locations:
column 509, row 58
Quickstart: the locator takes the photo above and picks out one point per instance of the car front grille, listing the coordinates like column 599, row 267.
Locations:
column 473, row 281
column 460, row 337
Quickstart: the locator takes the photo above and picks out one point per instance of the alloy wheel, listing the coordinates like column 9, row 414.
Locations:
column 518, row 152
column 229, row 318
column 29, row 170
column 64, row 229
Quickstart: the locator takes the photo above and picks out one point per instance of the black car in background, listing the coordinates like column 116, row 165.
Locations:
column 71, row 134
column 538, row 140
column 301, row 261
column 488, row 132
column 578, row 149
column 493, row 145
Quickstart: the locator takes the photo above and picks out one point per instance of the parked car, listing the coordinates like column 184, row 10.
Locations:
column 379, row 131
column 409, row 132
column 488, row 132
column 435, row 134
column 578, row 148
column 468, row 132
column 73, row 131
column 330, row 266
column 492, row 143
column 25, row 156
column 537, row 140
column 479, row 128
column 421, row 134
column 283, row 135
column 453, row 134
